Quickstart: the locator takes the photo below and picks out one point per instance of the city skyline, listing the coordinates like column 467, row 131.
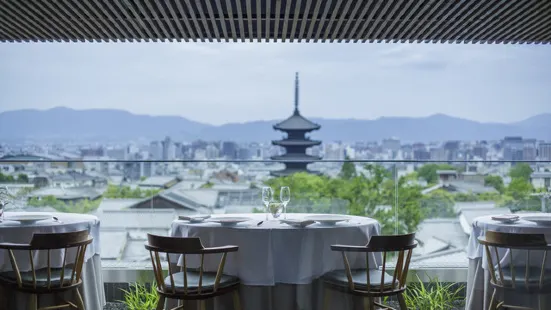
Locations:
column 228, row 83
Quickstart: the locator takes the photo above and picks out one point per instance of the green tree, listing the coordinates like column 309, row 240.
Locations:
column 348, row 169
column 496, row 182
column 428, row 171
column 22, row 178
column 521, row 171
column 519, row 189
column 209, row 184
column 437, row 204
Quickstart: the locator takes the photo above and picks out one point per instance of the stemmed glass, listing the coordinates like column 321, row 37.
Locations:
column 285, row 197
column 267, row 196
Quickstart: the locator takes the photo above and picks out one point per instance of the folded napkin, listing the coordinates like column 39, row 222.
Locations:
column 505, row 217
column 193, row 217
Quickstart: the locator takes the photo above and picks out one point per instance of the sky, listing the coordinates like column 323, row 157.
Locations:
column 219, row 83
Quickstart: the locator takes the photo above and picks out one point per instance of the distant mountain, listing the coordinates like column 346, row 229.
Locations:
column 61, row 124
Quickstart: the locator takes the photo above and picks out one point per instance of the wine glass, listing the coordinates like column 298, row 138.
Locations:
column 285, row 197
column 267, row 196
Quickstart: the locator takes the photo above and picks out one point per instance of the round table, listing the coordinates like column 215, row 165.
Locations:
column 15, row 232
column 274, row 253
column 478, row 286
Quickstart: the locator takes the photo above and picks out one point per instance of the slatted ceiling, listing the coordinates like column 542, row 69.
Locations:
column 454, row 21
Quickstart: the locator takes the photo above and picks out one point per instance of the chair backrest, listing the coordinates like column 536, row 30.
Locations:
column 514, row 243
column 392, row 244
column 388, row 245
column 68, row 243
column 184, row 246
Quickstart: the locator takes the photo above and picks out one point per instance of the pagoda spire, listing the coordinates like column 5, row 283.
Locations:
column 296, row 93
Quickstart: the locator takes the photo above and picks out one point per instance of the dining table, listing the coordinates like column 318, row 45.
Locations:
column 280, row 265
column 14, row 231
column 479, row 290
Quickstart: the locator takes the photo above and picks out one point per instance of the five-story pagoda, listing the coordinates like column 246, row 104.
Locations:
column 296, row 142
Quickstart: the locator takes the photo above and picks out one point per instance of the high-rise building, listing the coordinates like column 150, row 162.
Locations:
column 513, row 148
column 296, row 127
column 229, row 149
column 544, row 151
column 169, row 150
column 156, row 150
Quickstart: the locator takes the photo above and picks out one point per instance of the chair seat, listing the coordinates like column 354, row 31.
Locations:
column 534, row 274
column 41, row 277
column 359, row 277
column 193, row 281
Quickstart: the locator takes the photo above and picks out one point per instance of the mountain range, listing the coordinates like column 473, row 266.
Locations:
column 64, row 124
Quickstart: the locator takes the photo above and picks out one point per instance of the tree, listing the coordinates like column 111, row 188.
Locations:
column 521, row 171
column 519, row 189
column 428, row 171
column 437, row 204
column 22, row 178
column 348, row 169
column 496, row 182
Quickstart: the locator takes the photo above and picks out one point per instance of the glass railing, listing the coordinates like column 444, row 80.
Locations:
column 438, row 200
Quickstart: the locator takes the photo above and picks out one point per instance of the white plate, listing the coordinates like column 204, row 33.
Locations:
column 229, row 221
column 28, row 218
column 543, row 220
column 328, row 219
column 194, row 218
column 297, row 223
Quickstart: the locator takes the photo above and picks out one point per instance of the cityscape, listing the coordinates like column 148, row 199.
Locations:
column 139, row 186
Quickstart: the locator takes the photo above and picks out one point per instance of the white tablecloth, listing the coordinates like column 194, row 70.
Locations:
column 278, row 264
column 478, row 285
column 10, row 231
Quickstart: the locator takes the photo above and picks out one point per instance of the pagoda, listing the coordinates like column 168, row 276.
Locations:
column 296, row 142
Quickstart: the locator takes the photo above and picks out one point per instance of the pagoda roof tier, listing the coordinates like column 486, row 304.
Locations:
column 286, row 172
column 296, row 122
column 295, row 142
column 295, row 157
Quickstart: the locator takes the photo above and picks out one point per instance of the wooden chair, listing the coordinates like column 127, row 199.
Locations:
column 49, row 280
column 372, row 283
column 522, row 278
column 188, row 284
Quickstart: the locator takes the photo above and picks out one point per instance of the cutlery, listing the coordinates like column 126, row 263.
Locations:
column 57, row 220
column 259, row 223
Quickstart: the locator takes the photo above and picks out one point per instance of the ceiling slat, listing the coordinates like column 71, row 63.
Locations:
column 29, row 25
column 150, row 25
column 71, row 21
column 296, row 18
column 159, row 21
column 353, row 15
column 322, row 19
column 314, row 20
column 130, row 20
column 332, row 20
column 369, row 21
column 497, row 13
column 197, row 28
column 241, row 29
column 232, row 22
column 166, row 17
column 451, row 21
column 98, row 21
column 114, row 17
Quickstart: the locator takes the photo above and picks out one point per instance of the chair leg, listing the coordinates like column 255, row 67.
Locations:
column 326, row 298
column 161, row 303
column 33, row 304
column 491, row 306
column 367, row 303
column 80, row 302
column 402, row 302
column 236, row 300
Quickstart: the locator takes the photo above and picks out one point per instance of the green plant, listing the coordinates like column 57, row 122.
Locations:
column 138, row 297
column 435, row 295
